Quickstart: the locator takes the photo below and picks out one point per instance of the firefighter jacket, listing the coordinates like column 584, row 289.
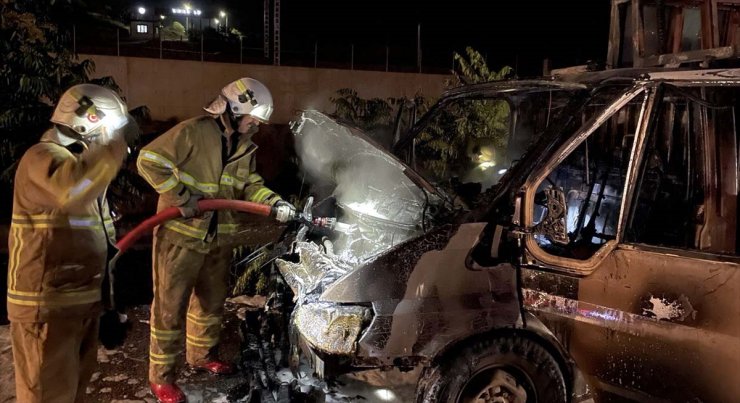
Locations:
column 191, row 159
column 60, row 230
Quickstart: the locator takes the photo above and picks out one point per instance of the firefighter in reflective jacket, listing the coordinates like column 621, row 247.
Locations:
column 59, row 237
column 212, row 157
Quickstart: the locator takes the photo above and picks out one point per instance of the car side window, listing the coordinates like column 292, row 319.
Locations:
column 686, row 194
column 577, row 205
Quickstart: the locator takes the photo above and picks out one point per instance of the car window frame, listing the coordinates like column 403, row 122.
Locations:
column 536, row 256
column 687, row 253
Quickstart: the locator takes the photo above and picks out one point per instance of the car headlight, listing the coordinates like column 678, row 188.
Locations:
column 331, row 328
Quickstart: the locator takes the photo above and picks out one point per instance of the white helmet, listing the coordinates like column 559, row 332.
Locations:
column 88, row 108
column 245, row 96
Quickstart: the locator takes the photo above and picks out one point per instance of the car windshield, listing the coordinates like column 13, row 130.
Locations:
column 466, row 145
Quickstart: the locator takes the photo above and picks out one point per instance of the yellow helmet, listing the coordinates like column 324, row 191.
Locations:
column 245, row 96
column 87, row 109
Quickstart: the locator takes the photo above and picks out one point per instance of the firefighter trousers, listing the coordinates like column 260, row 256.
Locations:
column 189, row 292
column 54, row 360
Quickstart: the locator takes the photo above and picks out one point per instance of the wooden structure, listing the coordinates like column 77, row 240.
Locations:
column 669, row 33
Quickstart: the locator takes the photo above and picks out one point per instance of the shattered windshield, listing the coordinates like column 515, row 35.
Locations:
column 467, row 145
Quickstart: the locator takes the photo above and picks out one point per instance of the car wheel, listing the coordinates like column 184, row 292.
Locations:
column 508, row 369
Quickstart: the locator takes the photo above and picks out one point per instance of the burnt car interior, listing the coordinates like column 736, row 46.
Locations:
column 680, row 203
column 586, row 188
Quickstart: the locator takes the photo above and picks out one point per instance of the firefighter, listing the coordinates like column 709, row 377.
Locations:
column 60, row 232
column 206, row 157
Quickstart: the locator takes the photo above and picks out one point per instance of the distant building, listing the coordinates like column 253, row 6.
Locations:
column 145, row 24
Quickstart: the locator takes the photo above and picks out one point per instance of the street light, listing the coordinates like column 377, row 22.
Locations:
column 187, row 10
column 226, row 19
column 187, row 19
column 142, row 10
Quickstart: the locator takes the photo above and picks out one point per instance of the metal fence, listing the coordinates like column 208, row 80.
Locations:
column 213, row 47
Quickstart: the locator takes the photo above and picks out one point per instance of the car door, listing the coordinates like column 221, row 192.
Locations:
column 631, row 243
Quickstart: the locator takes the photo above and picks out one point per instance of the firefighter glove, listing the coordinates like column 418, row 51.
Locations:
column 190, row 208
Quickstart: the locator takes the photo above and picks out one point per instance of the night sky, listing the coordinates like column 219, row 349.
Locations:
column 517, row 33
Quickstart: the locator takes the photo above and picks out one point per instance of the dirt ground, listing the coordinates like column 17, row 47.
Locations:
column 122, row 373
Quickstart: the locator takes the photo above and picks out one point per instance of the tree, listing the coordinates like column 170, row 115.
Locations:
column 174, row 32
column 445, row 138
column 443, row 143
column 37, row 67
column 375, row 116
column 474, row 70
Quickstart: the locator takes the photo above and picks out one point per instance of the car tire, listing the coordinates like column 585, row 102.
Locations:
column 504, row 369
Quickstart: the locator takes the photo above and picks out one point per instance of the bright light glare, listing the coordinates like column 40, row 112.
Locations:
column 502, row 171
column 186, row 11
column 366, row 207
column 114, row 122
column 385, row 395
column 142, row 10
column 216, row 20
column 223, row 14
column 486, row 165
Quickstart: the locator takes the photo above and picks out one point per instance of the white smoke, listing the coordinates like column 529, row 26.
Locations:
column 381, row 205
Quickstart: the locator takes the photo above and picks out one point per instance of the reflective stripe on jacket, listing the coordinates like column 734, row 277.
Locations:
column 186, row 160
column 60, row 231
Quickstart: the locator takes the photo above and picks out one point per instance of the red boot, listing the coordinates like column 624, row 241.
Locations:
column 167, row 393
column 216, row 367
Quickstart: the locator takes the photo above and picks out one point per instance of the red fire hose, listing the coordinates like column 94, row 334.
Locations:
column 114, row 325
column 167, row 214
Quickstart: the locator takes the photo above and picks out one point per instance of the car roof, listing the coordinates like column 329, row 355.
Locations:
column 585, row 80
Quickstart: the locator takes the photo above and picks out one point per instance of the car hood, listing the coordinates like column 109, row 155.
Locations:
column 329, row 149
column 377, row 200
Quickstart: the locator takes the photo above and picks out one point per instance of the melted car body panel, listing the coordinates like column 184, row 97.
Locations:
column 612, row 241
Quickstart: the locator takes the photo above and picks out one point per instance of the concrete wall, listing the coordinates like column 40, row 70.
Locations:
column 179, row 89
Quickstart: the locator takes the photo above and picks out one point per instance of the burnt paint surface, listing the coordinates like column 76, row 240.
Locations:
column 647, row 325
column 425, row 298
column 386, row 277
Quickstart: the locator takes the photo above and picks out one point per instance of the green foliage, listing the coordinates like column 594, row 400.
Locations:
column 375, row 116
column 474, row 69
column 443, row 143
column 174, row 32
column 36, row 68
column 367, row 114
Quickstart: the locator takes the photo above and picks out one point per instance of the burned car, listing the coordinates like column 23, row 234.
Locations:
column 532, row 241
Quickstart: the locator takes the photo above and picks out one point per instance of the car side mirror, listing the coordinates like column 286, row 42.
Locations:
column 553, row 226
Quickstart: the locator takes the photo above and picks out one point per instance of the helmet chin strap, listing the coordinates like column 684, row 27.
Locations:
column 227, row 123
column 68, row 136
column 233, row 120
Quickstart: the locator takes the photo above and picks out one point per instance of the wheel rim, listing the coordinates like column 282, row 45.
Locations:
column 497, row 385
